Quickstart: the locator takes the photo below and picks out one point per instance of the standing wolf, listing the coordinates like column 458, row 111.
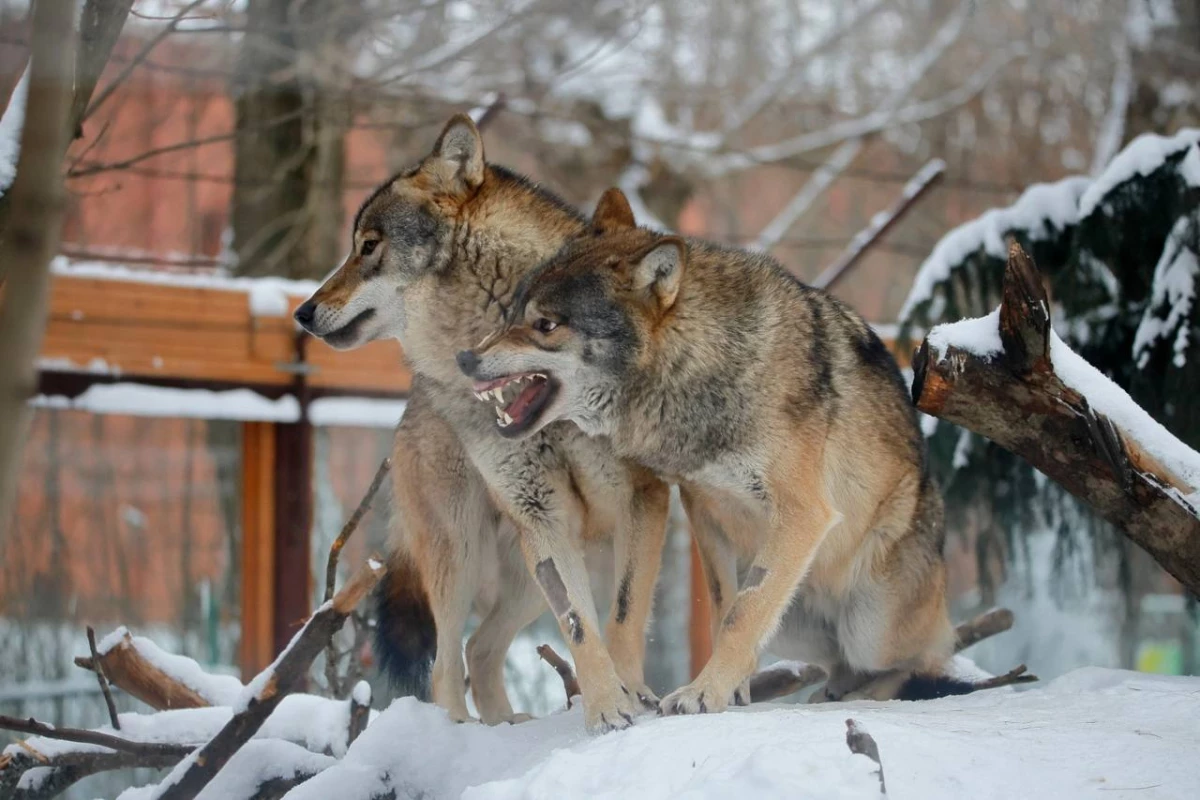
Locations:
column 438, row 251
column 787, row 426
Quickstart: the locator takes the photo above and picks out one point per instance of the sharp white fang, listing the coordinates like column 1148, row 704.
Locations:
column 479, row 396
column 498, row 395
column 507, row 419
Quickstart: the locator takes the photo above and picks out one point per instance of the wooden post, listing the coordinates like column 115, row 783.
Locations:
column 292, row 575
column 700, row 620
column 257, row 648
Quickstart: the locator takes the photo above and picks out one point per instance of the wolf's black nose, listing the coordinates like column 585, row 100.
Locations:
column 467, row 362
column 305, row 314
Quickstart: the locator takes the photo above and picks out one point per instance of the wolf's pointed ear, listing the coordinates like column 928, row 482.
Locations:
column 660, row 270
column 613, row 212
column 458, row 154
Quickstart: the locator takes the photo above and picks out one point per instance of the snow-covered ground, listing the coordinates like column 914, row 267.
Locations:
column 1091, row 733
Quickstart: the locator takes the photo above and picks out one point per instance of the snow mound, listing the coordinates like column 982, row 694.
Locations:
column 1089, row 731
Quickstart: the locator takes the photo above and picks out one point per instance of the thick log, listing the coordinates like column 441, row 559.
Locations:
column 269, row 688
column 130, row 671
column 1016, row 399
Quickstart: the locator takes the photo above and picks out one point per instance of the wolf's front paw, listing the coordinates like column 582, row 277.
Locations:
column 696, row 698
column 644, row 695
column 612, row 712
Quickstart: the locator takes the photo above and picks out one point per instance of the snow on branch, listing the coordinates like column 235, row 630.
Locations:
column 1042, row 211
column 1010, row 378
column 265, row 692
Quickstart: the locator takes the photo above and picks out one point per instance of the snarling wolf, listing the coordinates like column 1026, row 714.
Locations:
column 787, row 426
column 485, row 519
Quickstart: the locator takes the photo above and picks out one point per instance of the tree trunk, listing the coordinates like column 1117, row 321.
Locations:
column 1016, row 399
column 32, row 230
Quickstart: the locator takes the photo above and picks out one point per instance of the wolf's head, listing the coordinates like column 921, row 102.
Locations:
column 402, row 233
column 578, row 325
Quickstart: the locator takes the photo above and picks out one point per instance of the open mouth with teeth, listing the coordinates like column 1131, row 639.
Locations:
column 519, row 399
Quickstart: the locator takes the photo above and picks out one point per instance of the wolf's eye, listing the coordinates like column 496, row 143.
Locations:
column 368, row 246
column 543, row 325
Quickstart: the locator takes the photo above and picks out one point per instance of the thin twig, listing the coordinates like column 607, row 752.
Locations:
column 881, row 223
column 335, row 550
column 32, row 727
column 132, row 64
column 1013, row 676
column 780, row 681
column 102, row 679
column 570, row 683
column 332, row 656
column 490, row 113
column 861, row 742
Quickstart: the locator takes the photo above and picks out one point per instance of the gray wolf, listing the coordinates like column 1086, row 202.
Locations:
column 787, row 426
column 490, row 516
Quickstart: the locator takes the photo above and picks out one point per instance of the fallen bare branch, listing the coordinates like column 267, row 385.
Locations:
column 570, row 683
column 103, row 680
column 1018, row 674
column 861, row 742
column 67, row 769
column 782, row 680
column 32, row 727
column 269, row 687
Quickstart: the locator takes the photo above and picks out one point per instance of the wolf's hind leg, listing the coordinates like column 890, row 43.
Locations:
column 801, row 517
column 638, row 555
column 518, row 603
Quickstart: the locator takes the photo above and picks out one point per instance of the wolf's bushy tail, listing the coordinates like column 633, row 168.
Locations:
column 920, row 686
column 405, row 633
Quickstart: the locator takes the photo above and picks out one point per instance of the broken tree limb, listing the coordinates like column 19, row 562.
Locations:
column 1018, row 398
column 66, row 769
column 360, row 711
column 975, row 630
column 103, row 680
column 861, row 742
column 135, row 675
column 267, row 690
column 570, row 683
column 783, row 679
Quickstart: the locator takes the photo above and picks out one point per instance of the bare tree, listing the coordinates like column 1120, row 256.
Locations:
column 31, row 238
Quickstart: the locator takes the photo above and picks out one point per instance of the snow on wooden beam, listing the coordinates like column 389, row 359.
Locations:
column 1008, row 377
column 110, row 322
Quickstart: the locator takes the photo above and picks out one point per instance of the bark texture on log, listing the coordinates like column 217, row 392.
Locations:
column 1015, row 399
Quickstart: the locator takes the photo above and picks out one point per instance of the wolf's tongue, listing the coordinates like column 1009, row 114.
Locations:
column 525, row 401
